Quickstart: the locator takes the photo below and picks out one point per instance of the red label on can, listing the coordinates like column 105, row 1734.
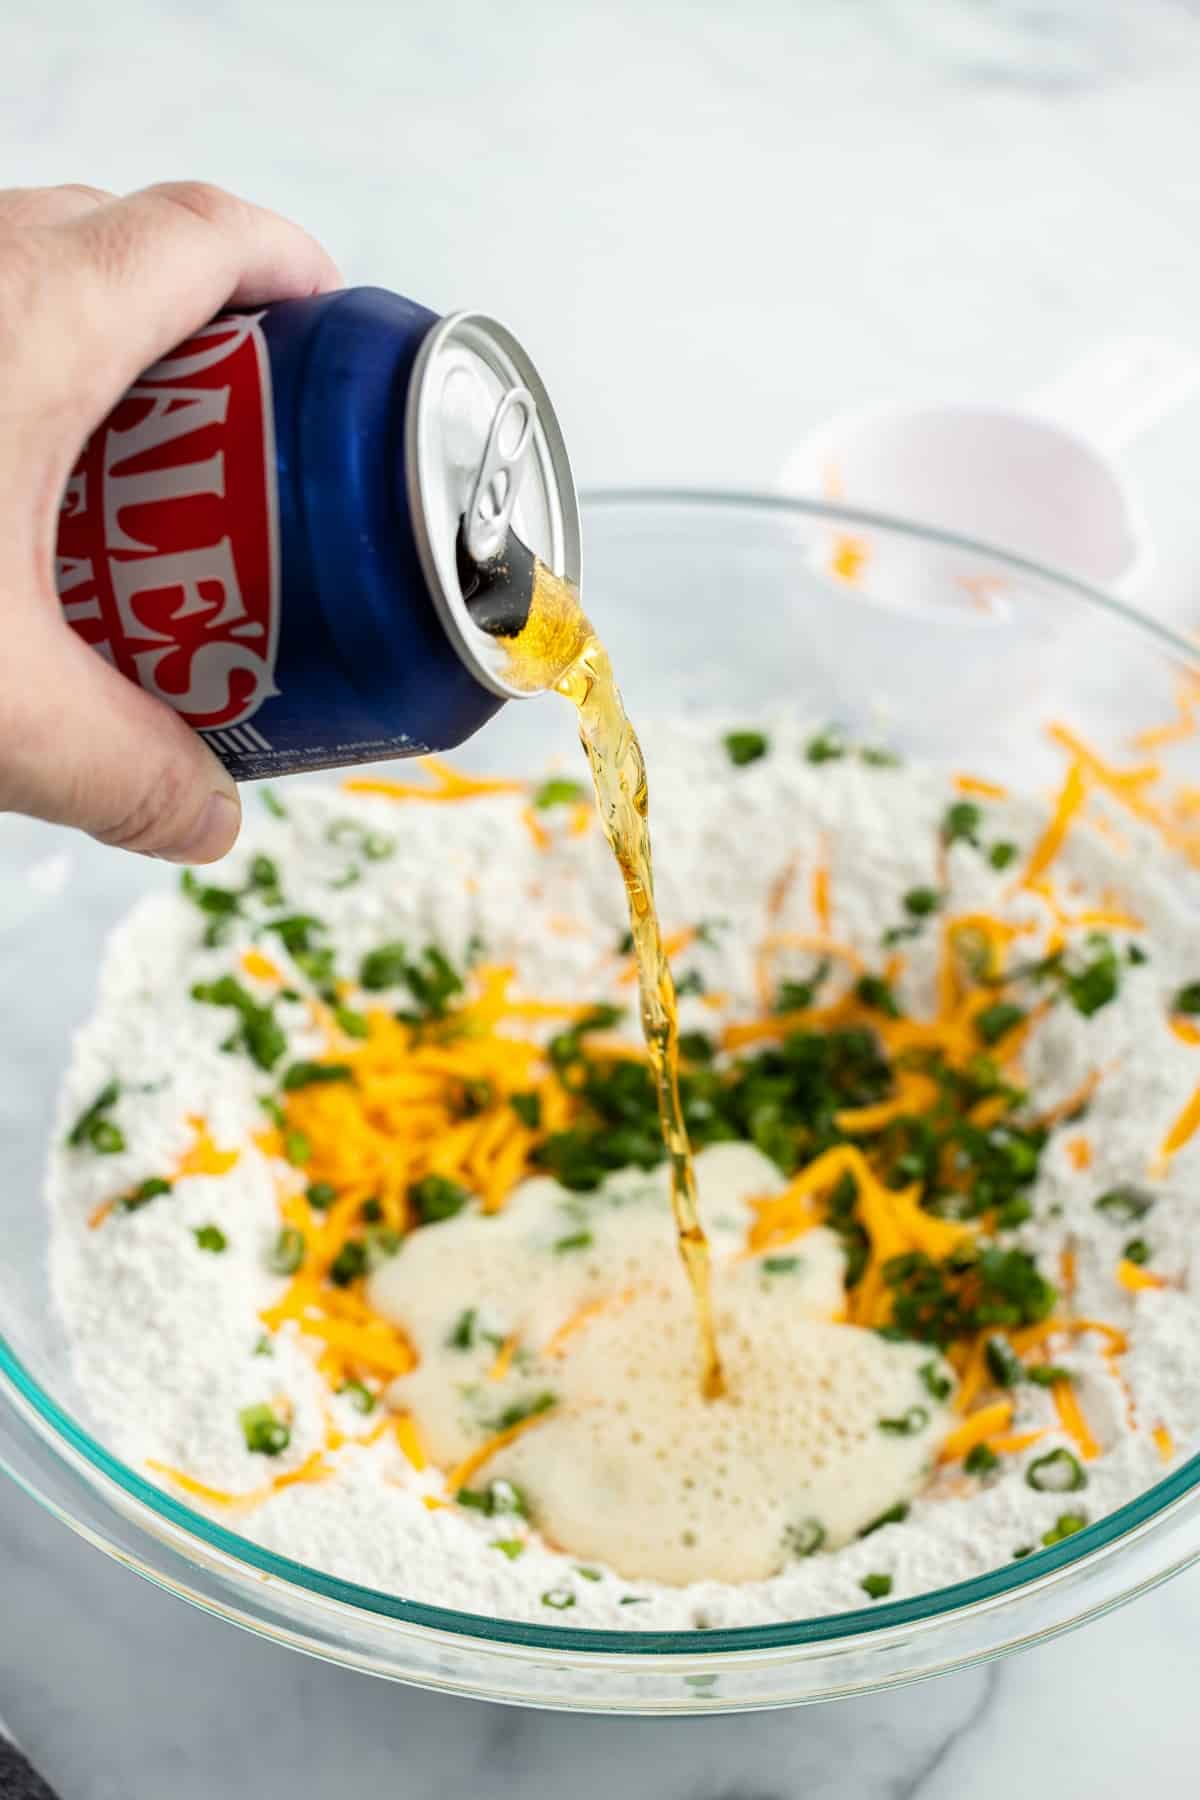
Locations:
column 167, row 543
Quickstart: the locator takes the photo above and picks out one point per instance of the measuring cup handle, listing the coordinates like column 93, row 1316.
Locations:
column 1118, row 389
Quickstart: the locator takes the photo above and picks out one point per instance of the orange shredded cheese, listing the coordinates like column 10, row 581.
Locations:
column 447, row 784
column 1073, row 1421
column 260, row 967
column 1079, row 1153
column 820, row 896
column 314, row 1468
column 976, row 1429
column 1185, row 1126
column 1012, row 1443
column 1165, row 1442
column 409, row 1439
column 1186, row 1030
column 1070, row 799
column 987, row 790
column 847, row 558
column 1135, row 1279
column 471, row 1465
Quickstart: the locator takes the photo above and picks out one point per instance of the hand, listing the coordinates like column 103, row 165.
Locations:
column 94, row 289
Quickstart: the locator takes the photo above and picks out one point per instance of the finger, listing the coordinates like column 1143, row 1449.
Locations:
column 88, row 748
column 161, row 263
column 49, row 205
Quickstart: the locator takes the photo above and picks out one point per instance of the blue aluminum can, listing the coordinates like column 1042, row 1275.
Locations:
column 268, row 531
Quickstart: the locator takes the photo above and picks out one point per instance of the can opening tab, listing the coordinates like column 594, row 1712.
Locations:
column 494, row 490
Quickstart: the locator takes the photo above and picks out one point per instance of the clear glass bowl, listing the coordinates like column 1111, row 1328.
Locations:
column 946, row 650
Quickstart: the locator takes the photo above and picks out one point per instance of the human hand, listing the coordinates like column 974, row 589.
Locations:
column 93, row 289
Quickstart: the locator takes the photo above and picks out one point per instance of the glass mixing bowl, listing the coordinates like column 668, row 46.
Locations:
column 735, row 604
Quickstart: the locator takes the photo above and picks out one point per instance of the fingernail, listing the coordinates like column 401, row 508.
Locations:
column 212, row 835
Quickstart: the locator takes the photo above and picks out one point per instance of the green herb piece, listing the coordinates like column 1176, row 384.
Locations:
column 696, row 1047
column 210, row 1237
column 995, row 1021
column 264, row 1432
column 576, row 1240
column 1058, row 1472
column 632, row 1600
column 1137, row 1251
column 744, row 747
column 559, row 1598
column 1187, row 1000
column 827, row 746
column 464, row 1333
column 436, row 1197
column 1125, row 1204
column 142, row 1194
column 1065, row 1526
column 297, row 1148
column 799, row 996
column 876, row 993
column 352, row 875
column 1014, row 1212
column 528, row 1108
column 273, row 1110
column 1004, row 1366
column 91, row 1127
column 263, row 1346
column 353, row 1023
column 588, row 1574
column 320, row 1195
column 433, row 981
column 371, row 1211
column 382, row 1244
column 287, row 1252
column 781, row 1265
column 499, row 1498
column 313, row 1074
column 476, row 1097
column 908, row 1424
column 383, row 968
column 1002, row 854
column 961, row 823
column 877, row 1587
column 921, row 901
column 939, row 1384
column 258, row 1033
column 1135, row 954
column 349, row 1263
column 1048, row 1374
column 376, row 846
column 804, row 1538
column 361, row 1398
column 295, row 931
column 876, row 757
column 273, row 804
column 625, row 944
column 520, row 1410
column 690, row 985
column 980, row 1459
column 558, row 792
column 1096, row 983
column 510, row 1547
column 895, row 1515
column 221, row 904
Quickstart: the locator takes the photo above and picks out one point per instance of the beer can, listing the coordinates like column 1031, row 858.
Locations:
column 273, row 529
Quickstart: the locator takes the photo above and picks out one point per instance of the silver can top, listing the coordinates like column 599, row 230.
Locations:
column 484, row 452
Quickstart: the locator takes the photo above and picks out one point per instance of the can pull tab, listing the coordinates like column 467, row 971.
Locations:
column 494, row 490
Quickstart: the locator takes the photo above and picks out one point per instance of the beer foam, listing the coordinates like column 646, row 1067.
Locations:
column 628, row 1463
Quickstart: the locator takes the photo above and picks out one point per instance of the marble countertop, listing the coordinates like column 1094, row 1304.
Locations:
column 714, row 226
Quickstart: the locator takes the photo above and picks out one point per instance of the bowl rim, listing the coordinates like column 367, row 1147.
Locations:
column 67, row 1440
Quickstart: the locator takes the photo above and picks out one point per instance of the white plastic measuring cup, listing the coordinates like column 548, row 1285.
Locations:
column 1039, row 480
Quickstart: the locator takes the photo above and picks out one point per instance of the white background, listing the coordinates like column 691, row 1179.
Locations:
column 713, row 225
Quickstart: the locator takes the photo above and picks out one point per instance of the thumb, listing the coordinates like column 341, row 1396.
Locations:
column 81, row 745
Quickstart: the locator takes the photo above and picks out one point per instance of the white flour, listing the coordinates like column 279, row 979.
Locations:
column 166, row 1335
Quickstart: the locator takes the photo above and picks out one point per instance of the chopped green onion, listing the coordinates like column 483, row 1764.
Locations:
column 1137, row 1251
column 353, row 1023
column 297, row 1148
column 313, row 1074
column 498, row 1498
column 895, row 1515
column 559, row 1598
column 91, row 1127
column 877, row 758
column 1065, row 1526
column 878, row 1587
column 939, row 1385
column 1002, row 854
column 263, row 1345
column 1048, row 1374
column 287, row 1252
column 689, row 985
column 588, row 1574
column 744, row 747
column 510, row 1547
column 995, row 1021
column 147, row 1190
column 558, row 792
column 781, row 1265
column 1059, row 1472
column 257, row 1033
column 876, row 993
column 1135, row 954
column 520, row 1410
column 361, row 1398
column 462, row 1336
column 921, row 901
column 528, row 1108
column 264, row 1432
column 961, row 822
column 696, row 1047
column 383, row 968
column 1125, row 1204
column 805, row 1537
column 826, row 746
column 908, row 1424
column 210, row 1237
column 320, row 1195
column 1004, row 1366
column 980, row 1459
column 273, row 804
column 273, row 1110
column 436, row 1197
column 1187, row 1000
column 577, row 1240
column 349, row 1263
column 382, row 1244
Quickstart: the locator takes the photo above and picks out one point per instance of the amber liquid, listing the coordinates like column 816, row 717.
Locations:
column 558, row 648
